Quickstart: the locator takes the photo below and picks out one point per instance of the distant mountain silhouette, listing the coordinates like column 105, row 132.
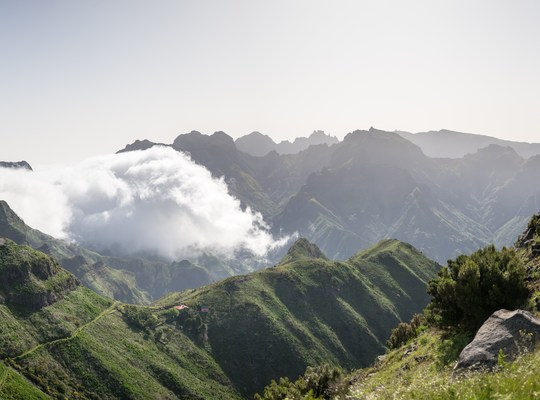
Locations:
column 258, row 144
column 445, row 143
column 375, row 185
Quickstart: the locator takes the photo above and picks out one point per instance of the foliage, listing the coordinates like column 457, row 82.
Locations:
column 451, row 345
column 405, row 331
column 417, row 374
column 472, row 287
column 140, row 317
column 276, row 322
column 320, row 382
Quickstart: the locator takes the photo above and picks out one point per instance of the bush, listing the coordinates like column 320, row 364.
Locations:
column 472, row 287
column 140, row 317
column 320, row 382
column 405, row 332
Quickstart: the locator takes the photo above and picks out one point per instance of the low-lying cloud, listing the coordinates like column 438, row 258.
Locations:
column 154, row 200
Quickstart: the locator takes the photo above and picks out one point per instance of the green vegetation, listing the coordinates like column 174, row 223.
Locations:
column 414, row 372
column 406, row 331
column 422, row 353
column 322, row 382
column 129, row 279
column 14, row 386
column 309, row 310
column 472, row 287
column 233, row 338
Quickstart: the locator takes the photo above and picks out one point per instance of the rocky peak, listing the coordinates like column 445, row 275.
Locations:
column 137, row 145
column 15, row 165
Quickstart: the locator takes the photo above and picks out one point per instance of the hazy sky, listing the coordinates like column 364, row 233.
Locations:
column 79, row 78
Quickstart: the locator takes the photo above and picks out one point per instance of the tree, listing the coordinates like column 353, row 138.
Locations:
column 471, row 288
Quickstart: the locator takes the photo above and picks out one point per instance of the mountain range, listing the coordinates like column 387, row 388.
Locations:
column 227, row 340
column 260, row 145
column 451, row 144
column 375, row 185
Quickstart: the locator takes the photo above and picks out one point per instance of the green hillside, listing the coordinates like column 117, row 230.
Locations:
column 309, row 309
column 61, row 340
column 131, row 279
column 422, row 355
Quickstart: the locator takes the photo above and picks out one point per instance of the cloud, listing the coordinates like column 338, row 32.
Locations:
column 153, row 200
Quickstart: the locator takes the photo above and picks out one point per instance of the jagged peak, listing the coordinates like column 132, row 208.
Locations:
column 16, row 165
column 139, row 145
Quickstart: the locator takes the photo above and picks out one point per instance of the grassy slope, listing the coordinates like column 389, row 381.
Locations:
column 110, row 360
column 260, row 326
column 13, row 386
column 305, row 311
column 82, row 346
column 422, row 369
column 415, row 371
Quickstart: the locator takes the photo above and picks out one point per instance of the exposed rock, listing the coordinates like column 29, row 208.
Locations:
column 16, row 165
column 139, row 145
column 511, row 332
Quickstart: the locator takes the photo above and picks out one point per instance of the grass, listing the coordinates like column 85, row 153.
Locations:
column 306, row 311
column 422, row 369
column 14, row 386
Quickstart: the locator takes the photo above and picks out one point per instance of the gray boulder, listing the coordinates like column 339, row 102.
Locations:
column 511, row 332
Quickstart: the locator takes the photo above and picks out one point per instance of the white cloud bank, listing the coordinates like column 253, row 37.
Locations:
column 153, row 200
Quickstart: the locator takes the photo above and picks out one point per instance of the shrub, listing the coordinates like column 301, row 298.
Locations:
column 320, row 382
column 471, row 288
column 140, row 317
column 405, row 332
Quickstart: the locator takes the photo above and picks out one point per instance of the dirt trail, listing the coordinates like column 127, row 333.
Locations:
column 109, row 310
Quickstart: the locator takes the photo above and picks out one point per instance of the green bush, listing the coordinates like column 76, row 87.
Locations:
column 471, row 288
column 320, row 382
column 405, row 332
column 140, row 317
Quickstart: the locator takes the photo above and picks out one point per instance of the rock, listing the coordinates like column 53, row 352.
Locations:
column 511, row 332
column 15, row 165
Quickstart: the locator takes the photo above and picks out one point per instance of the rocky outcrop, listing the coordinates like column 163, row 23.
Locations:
column 30, row 279
column 15, row 165
column 139, row 145
column 509, row 332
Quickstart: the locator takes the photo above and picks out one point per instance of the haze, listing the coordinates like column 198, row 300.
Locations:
column 79, row 79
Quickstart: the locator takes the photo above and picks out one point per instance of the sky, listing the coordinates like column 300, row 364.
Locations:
column 84, row 78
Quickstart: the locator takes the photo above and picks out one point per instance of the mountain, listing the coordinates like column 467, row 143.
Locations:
column 425, row 358
column 133, row 279
column 61, row 340
column 308, row 309
column 139, row 145
column 262, row 183
column 226, row 342
column 257, row 144
column 375, row 185
column 446, row 143
column 379, row 185
column 16, row 165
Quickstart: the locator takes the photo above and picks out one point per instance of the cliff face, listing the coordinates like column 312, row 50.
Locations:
column 29, row 279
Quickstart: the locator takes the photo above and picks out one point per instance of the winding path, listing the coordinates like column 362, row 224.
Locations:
column 109, row 310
